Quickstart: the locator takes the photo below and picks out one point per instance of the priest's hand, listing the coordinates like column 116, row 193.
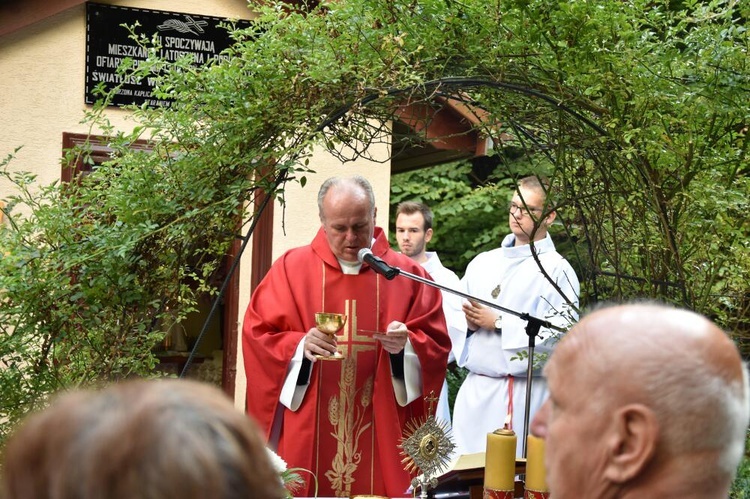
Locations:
column 394, row 339
column 317, row 342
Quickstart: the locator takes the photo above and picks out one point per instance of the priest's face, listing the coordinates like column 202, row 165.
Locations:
column 348, row 220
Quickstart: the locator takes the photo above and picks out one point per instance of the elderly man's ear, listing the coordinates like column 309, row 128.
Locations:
column 631, row 442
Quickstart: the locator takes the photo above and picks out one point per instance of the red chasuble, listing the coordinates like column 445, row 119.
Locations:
column 349, row 425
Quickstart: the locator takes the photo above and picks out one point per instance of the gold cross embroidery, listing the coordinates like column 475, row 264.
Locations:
column 345, row 411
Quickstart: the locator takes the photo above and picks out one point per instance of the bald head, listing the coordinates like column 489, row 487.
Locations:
column 672, row 370
column 657, row 333
column 650, row 342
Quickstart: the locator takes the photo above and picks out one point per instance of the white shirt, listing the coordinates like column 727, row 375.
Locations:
column 495, row 387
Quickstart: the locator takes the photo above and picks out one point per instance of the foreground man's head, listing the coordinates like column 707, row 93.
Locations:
column 645, row 401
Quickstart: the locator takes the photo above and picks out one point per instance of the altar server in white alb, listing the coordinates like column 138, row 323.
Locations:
column 495, row 388
column 413, row 232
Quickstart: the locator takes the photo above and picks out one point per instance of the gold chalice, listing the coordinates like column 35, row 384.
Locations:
column 330, row 324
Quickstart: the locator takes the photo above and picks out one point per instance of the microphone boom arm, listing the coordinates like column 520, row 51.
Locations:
column 537, row 323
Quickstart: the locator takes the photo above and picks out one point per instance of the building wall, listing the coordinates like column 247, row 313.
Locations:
column 42, row 84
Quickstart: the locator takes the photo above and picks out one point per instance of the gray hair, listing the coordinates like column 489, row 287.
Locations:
column 353, row 181
column 698, row 407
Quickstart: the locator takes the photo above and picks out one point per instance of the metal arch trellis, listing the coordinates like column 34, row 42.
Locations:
column 459, row 82
column 443, row 86
column 338, row 114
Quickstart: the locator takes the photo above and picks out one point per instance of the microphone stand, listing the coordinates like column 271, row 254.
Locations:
column 533, row 325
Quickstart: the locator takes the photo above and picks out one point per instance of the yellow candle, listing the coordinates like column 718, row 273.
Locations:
column 500, row 460
column 535, row 474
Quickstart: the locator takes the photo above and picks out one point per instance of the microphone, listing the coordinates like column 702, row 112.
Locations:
column 377, row 264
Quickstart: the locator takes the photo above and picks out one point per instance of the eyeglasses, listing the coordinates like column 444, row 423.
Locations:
column 526, row 210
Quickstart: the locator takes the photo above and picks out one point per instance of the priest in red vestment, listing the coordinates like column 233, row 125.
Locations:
column 343, row 419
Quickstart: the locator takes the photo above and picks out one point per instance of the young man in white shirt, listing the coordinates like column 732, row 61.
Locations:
column 413, row 232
